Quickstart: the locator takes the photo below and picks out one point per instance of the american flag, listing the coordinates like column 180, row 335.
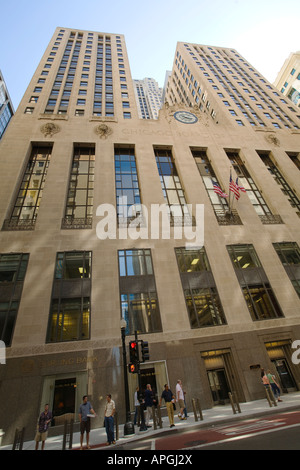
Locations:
column 218, row 190
column 240, row 187
column 234, row 188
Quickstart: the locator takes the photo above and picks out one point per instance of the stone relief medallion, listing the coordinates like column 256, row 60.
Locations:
column 272, row 139
column 50, row 129
column 103, row 131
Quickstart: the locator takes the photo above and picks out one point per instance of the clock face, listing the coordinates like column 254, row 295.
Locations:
column 185, row 117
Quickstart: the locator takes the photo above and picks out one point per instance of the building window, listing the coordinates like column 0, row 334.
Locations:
column 28, row 200
column 127, row 186
column 79, row 209
column 171, row 186
column 139, row 303
column 289, row 255
column 126, row 115
column 280, row 180
column 12, row 274
column 69, row 318
column 245, row 180
column 200, row 292
column 259, row 296
column 218, row 198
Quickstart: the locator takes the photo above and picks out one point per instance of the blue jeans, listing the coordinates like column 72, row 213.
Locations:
column 109, row 427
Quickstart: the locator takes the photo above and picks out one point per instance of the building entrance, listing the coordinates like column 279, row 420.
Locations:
column 285, row 376
column 219, row 386
column 64, row 396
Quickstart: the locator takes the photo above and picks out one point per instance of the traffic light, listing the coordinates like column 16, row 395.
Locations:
column 133, row 368
column 133, row 352
column 145, row 351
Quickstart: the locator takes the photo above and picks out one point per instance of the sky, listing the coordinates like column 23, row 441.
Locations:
column 264, row 32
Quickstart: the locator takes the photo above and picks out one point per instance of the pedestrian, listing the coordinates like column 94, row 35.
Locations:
column 265, row 381
column 136, row 404
column 180, row 399
column 85, row 410
column 169, row 398
column 274, row 385
column 149, row 399
column 42, row 427
column 110, row 409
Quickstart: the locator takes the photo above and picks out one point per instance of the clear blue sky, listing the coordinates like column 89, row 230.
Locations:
column 151, row 31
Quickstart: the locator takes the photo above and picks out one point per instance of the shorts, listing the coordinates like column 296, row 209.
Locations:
column 181, row 403
column 41, row 436
column 85, row 426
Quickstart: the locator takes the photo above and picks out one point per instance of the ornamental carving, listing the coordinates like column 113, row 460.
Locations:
column 103, row 131
column 50, row 129
column 272, row 139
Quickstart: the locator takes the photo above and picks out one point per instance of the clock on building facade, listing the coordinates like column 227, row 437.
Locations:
column 186, row 117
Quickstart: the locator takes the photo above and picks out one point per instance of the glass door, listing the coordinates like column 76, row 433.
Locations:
column 286, row 378
column 219, row 386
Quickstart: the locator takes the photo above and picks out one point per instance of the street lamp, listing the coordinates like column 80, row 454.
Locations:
column 129, row 426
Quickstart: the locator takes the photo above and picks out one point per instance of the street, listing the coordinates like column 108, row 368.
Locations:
column 279, row 431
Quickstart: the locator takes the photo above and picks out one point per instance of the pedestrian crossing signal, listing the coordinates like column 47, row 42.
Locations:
column 132, row 368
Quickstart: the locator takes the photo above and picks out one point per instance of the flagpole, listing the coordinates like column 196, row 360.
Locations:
column 230, row 195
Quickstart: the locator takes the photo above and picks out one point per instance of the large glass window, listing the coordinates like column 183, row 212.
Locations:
column 69, row 318
column 201, row 295
column 29, row 196
column 254, row 194
column 79, row 209
column 127, row 185
column 280, row 180
column 12, row 274
column 218, row 198
column 139, row 302
column 289, row 255
column 171, row 186
column 259, row 296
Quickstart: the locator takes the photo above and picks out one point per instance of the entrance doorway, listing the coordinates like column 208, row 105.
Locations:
column 285, row 376
column 64, row 396
column 219, row 386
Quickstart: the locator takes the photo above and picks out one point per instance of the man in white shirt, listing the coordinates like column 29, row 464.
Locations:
column 180, row 399
column 109, row 412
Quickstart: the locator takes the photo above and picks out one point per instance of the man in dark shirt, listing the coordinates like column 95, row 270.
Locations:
column 169, row 398
column 42, row 429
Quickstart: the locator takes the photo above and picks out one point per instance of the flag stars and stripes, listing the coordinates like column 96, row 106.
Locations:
column 218, row 190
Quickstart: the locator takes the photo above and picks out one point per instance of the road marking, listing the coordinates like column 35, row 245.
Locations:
column 245, row 436
column 235, row 430
column 153, row 444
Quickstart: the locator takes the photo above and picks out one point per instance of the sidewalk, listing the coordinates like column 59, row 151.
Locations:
column 212, row 416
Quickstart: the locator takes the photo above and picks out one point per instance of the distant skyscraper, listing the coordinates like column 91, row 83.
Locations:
column 288, row 79
column 6, row 106
column 149, row 98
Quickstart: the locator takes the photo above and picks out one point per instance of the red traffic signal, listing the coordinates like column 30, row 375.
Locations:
column 133, row 352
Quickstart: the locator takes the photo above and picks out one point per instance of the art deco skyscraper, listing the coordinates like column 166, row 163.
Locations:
column 100, row 216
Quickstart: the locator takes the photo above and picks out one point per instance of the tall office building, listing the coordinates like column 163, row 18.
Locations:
column 288, row 78
column 103, row 216
column 149, row 98
column 6, row 106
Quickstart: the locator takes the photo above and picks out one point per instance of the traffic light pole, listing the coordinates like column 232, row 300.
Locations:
column 129, row 426
column 143, row 426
